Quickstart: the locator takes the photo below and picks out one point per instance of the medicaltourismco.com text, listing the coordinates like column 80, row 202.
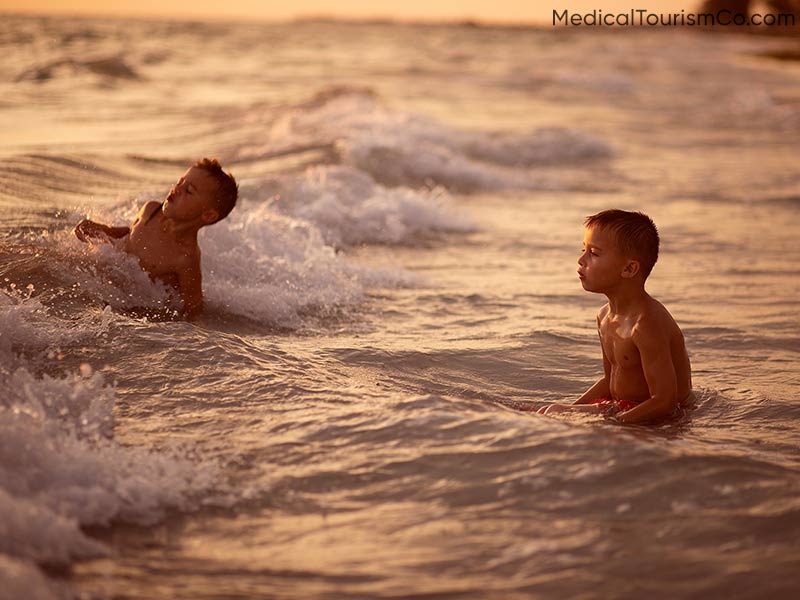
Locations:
column 641, row 17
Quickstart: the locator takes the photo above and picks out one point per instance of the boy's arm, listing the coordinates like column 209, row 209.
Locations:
column 190, row 288
column 90, row 229
column 601, row 389
column 653, row 343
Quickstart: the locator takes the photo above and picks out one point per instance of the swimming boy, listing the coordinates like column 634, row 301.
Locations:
column 164, row 235
column 647, row 375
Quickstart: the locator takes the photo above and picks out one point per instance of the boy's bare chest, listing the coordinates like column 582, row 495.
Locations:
column 156, row 249
column 618, row 344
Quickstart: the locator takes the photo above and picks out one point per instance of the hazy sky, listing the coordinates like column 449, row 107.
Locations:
column 489, row 10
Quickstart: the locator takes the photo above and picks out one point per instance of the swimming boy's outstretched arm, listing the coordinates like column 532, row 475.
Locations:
column 90, row 229
column 652, row 340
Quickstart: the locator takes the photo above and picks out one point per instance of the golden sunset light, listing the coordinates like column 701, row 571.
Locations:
column 407, row 299
column 503, row 11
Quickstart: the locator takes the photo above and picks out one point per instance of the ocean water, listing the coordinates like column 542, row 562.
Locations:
column 397, row 281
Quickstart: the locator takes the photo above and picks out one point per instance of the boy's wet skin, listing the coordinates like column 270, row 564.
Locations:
column 164, row 235
column 647, row 373
column 624, row 319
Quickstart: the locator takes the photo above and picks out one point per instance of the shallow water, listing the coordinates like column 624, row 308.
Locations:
column 397, row 280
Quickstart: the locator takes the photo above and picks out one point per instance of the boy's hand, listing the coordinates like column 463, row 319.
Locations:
column 552, row 408
column 87, row 228
column 90, row 229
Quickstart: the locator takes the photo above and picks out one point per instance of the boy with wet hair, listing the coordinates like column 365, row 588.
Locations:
column 647, row 375
column 164, row 235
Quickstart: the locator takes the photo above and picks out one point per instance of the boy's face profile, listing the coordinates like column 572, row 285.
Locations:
column 192, row 197
column 601, row 264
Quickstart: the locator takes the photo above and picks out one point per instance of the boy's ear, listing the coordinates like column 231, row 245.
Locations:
column 209, row 216
column 631, row 269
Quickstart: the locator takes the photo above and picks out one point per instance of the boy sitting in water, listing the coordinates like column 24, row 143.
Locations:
column 164, row 235
column 647, row 372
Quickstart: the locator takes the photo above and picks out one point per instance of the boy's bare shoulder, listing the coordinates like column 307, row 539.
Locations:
column 602, row 313
column 147, row 209
column 655, row 321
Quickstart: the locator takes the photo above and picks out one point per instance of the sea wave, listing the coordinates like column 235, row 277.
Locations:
column 60, row 466
column 400, row 148
column 349, row 207
column 275, row 261
column 109, row 68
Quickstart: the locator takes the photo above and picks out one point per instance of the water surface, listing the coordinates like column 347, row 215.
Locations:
column 396, row 282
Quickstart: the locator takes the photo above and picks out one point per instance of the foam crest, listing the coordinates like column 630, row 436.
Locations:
column 106, row 271
column 349, row 207
column 403, row 148
column 273, row 268
column 26, row 324
column 60, row 469
column 99, row 272
column 17, row 322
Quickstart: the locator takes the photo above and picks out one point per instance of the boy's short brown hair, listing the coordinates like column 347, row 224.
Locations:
column 227, row 189
column 635, row 233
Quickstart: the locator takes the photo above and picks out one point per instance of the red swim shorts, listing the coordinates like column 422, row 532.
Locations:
column 611, row 407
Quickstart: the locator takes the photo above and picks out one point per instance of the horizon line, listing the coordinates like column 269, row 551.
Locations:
column 466, row 21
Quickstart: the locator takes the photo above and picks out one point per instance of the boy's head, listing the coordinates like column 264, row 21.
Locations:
column 631, row 238
column 205, row 192
column 226, row 192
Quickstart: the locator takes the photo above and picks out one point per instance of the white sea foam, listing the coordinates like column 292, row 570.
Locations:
column 60, row 467
column 17, row 322
column 99, row 271
column 349, row 207
column 258, row 263
column 105, row 271
column 277, row 261
column 24, row 320
column 273, row 268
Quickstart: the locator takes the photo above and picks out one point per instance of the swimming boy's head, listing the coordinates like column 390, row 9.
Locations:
column 618, row 245
column 205, row 193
